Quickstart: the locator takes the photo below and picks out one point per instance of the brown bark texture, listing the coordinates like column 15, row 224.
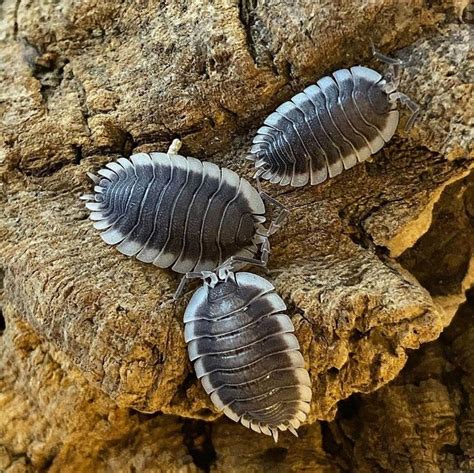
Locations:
column 372, row 264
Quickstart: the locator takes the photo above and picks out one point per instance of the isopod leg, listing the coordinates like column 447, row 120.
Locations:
column 229, row 263
column 396, row 69
column 182, row 284
column 278, row 221
column 229, row 266
column 410, row 104
column 194, row 275
column 386, row 59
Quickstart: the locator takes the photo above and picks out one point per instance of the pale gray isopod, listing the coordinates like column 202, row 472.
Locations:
column 178, row 212
column 329, row 127
column 245, row 353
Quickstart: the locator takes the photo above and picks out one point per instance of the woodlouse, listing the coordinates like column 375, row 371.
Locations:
column 181, row 212
column 330, row 126
column 244, row 352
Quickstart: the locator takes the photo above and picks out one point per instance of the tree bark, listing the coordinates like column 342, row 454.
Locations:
column 372, row 264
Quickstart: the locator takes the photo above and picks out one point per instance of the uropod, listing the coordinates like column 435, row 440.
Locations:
column 331, row 126
column 245, row 353
column 179, row 212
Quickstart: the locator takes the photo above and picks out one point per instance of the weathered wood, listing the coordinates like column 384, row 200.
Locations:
column 85, row 82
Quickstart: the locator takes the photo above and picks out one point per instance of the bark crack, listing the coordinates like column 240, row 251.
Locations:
column 197, row 438
column 15, row 21
column 246, row 18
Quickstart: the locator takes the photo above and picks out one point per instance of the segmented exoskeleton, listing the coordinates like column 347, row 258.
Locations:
column 330, row 126
column 179, row 212
column 244, row 352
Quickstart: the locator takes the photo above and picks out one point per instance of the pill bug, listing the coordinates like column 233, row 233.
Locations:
column 331, row 126
column 178, row 212
column 245, row 353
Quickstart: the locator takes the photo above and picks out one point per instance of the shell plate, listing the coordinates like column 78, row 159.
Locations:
column 246, row 355
column 329, row 127
column 175, row 211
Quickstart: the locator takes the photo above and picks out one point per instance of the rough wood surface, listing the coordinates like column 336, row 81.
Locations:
column 54, row 420
column 427, row 411
column 83, row 82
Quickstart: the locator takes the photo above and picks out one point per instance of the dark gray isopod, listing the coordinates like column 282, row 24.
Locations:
column 329, row 127
column 177, row 212
column 245, row 354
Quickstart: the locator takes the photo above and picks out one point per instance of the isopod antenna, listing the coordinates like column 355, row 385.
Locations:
column 396, row 67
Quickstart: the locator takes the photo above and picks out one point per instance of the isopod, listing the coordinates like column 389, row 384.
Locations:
column 331, row 126
column 179, row 212
column 245, row 353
